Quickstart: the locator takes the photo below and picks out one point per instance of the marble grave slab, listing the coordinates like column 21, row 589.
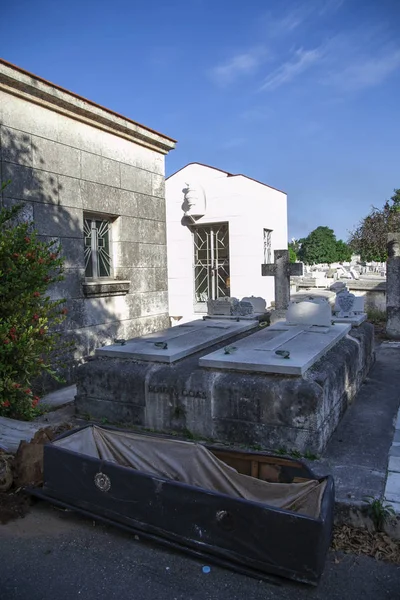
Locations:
column 283, row 348
column 175, row 343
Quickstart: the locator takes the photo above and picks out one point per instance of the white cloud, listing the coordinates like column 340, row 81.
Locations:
column 364, row 71
column 302, row 60
column 238, row 66
column 349, row 61
column 329, row 6
column 300, row 13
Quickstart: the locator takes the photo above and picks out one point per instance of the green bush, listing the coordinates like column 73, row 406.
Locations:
column 28, row 317
column 376, row 316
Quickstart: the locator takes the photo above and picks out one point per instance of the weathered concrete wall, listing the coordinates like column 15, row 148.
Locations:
column 63, row 163
column 393, row 286
column 272, row 411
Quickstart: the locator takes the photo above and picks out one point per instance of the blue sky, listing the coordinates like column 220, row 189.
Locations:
column 301, row 94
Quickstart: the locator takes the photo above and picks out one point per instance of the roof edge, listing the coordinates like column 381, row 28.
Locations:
column 227, row 174
column 22, row 83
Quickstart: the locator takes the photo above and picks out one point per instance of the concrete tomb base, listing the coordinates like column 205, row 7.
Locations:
column 296, row 412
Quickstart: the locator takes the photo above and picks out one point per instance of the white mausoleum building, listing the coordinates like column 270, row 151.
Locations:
column 220, row 229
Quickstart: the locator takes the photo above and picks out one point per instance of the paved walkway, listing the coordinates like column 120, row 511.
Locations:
column 358, row 452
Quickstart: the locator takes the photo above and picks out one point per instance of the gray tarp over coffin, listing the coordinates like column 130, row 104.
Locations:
column 193, row 464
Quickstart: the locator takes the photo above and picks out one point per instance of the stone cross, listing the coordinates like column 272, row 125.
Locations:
column 282, row 270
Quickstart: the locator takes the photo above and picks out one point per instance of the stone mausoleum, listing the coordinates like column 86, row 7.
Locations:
column 94, row 181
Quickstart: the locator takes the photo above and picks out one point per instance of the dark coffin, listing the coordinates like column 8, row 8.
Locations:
column 161, row 495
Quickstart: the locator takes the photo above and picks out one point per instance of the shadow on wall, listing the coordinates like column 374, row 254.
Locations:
column 53, row 202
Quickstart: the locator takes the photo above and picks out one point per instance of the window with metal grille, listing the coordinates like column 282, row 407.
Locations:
column 97, row 232
column 211, row 262
column 267, row 246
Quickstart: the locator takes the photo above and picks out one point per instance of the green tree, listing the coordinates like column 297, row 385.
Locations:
column 343, row 251
column 28, row 316
column 292, row 251
column 369, row 238
column 292, row 254
column 319, row 247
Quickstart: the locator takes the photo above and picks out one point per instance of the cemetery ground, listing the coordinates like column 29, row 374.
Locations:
column 58, row 552
column 52, row 553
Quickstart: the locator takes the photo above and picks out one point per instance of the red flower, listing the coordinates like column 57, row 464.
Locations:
column 41, row 331
column 15, row 255
column 16, row 385
column 6, row 403
column 53, row 256
column 36, row 294
column 35, row 401
column 28, row 391
column 6, row 341
column 64, row 311
column 35, row 317
column 27, row 240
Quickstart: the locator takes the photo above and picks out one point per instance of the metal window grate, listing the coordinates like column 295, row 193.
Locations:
column 267, row 246
column 211, row 262
column 97, row 247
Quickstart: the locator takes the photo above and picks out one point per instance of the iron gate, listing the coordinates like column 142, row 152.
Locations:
column 211, row 263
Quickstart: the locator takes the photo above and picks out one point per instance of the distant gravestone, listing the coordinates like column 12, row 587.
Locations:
column 342, row 272
column 355, row 274
column 338, row 286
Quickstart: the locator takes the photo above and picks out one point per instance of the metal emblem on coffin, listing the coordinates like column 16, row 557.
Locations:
column 102, row 482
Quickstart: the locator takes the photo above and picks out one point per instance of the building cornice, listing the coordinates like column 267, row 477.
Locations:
column 20, row 83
